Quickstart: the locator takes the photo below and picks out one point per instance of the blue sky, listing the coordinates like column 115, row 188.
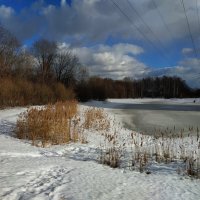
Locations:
column 107, row 41
column 21, row 4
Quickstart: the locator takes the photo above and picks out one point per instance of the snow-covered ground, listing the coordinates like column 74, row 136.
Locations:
column 72, row 172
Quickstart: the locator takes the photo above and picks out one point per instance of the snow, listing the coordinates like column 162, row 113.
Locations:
column 71, row 171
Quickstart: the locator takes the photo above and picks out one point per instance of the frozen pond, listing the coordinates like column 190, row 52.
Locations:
column 150, row 117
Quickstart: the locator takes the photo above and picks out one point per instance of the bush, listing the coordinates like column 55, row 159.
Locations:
column 49, row 124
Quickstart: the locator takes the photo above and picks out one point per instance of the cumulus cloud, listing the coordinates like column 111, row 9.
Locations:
column 87, row 23
column 117, row 61
column 187, row 69
column 120, row 60
column 97, row 19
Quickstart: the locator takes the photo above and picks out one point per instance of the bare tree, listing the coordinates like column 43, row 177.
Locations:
column 67, row 68
column 9, row 47
column 25, row 65
column 45, row 52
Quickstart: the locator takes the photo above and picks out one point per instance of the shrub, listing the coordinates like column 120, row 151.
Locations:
column 49, row 124
column 96, row 119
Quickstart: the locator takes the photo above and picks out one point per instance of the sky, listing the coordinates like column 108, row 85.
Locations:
column 115, row 38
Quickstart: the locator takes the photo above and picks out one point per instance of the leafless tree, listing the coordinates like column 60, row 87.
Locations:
column 45, row 52
column 68, row 68
column 26, row 66
column 9, row 48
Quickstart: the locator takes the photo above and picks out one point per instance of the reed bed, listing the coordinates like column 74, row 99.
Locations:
column 139, row 151
column 49, row 124
column 96, row 119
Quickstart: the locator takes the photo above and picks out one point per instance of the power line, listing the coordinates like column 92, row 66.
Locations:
column 198, row 13
column 131, row 21
column 141, row 18
column 188, row 24
column 162, row 18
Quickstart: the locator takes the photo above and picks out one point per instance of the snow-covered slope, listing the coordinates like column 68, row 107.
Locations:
column 72, row 172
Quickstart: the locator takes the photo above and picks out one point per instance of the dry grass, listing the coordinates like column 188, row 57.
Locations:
column 139, row 151
column 111, row 157
column 54, row 124
column 20, row 92
column 111, row 151
column 96, row 119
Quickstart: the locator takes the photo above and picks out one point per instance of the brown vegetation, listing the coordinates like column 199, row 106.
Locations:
column 30, row 76
column 96, row 119
column 20, row 92
column 49, row 124
column 139, row 152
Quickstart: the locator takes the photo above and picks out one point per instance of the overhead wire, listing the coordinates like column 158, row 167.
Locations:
column 137, row 28
column 198, row 17
column 189, row 29
column 197, row 10
column 143, row 21
column 165, row 24
column 162, row 18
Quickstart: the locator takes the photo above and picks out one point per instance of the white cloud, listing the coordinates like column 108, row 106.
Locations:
column 63, row 3
column 188, row 70
column 5, row 12
column 119, row 61
column 98, row 19
column 50, row 8
column 116, row 64
column 89, row 22
column 126, row 48
column 115, row 61
column 187, row 51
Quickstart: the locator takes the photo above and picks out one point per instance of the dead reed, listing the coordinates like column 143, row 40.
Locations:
column 54, row 124
column 143, row 150
column 96, row 119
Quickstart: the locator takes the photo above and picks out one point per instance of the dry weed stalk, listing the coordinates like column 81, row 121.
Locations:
column 112, row 152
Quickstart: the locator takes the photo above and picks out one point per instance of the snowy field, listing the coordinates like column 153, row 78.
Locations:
column 72, row 172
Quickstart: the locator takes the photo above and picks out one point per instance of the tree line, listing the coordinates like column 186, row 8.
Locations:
column 44, row 73
column 162, row 87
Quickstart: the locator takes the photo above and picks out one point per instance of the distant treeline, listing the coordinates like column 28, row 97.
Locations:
column 45, row 73
column 165, row 87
